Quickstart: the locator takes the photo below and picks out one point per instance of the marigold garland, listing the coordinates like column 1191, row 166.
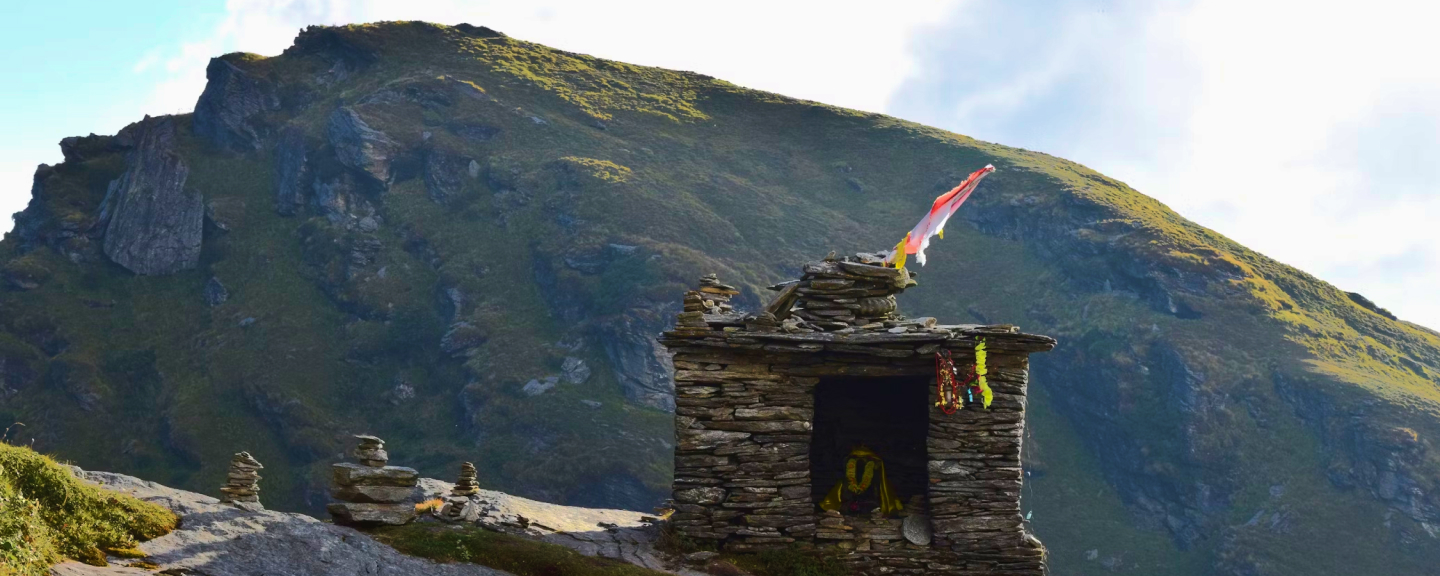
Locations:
column 864, row 480
column 947, row 384
column 986, row 395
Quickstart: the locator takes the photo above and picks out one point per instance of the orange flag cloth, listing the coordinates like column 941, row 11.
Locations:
column 933, row 224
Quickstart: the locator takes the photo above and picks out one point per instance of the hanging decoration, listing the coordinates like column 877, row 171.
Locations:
column 947, row 383
column 981, row 385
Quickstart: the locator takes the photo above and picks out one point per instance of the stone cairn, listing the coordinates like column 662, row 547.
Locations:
column 854, row 293
column 242, row 484
column 711, row 298
column 465, row 487
column 372, row 492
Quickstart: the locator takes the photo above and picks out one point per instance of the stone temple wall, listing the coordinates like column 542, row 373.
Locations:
column 745, row 398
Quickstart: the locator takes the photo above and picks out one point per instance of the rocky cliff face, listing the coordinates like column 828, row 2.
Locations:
column 475, row 260
column 153, row 222
column 226, row 114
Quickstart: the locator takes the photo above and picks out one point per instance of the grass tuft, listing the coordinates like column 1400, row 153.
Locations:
column 47, row 514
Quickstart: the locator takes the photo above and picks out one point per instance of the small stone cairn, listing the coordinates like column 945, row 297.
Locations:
column 242, row 484
column 372, row 492
column 465, row 487
column 711, row 298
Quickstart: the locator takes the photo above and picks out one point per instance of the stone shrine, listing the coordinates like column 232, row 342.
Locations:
column 768, row 406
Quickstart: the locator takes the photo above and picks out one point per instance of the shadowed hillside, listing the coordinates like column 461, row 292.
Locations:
column 466, row 243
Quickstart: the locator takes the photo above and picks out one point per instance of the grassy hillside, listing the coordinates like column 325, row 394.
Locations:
column 47, row 515
column 528, row 210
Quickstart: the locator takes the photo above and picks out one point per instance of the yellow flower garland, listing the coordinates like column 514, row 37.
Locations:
column 980, row 371
column 864, row 480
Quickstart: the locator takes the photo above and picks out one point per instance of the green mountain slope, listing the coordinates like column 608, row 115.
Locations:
column 465, row 243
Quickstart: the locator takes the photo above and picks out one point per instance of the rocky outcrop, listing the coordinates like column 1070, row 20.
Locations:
column 361, row 147
column 445, row 175
column 216, row 539
column 1370, row 452
column 290, row 171
column 640, row 363
column 225, row 113
column 607, row 533
column 215, row 292
column 153, row 223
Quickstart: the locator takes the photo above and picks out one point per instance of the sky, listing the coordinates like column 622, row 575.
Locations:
column 1306, row 130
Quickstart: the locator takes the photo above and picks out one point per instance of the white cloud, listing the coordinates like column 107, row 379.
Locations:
column 1309, row 131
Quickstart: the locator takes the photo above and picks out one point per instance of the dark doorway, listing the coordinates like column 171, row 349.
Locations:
column 887, row 414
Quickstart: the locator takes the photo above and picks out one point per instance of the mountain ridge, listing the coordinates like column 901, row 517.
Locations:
column 469, row 212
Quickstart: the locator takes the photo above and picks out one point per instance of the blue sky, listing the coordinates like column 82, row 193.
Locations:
column 1309, row 131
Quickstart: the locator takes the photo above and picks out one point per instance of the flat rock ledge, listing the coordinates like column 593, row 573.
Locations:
column 217, row 539
column 618, row 534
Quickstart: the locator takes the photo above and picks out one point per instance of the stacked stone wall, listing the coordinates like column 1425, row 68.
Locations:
column 744, row 418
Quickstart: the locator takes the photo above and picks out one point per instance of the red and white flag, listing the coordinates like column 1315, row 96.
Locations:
column 933, row 224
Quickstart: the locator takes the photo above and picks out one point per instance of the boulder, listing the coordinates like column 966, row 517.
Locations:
column 215, row 292
column 538, row 386
column 224, row 114
column 574, row 370
column 361, row 147
column 153, row 223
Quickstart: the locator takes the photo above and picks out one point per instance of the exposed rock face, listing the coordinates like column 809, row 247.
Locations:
column 335, row 198
column 444, row 175
column 154, row 222
column 462, row 337
column 215, row 292
column 290, row 167
column 1367, row 450
column 574, row 370
column 361, row 147
column 225, row 112
column 641, row 365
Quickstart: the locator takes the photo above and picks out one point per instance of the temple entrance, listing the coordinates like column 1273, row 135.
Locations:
column 888, row 415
